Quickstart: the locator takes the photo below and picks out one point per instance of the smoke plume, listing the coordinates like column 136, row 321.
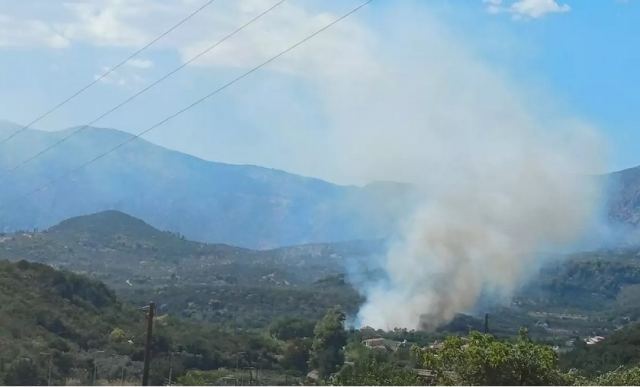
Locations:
column 501, row 172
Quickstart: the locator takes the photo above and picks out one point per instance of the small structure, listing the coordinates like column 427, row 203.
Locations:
column 428, row 376
column 313, row 375
column 377, row 343
column 380, row 343
column 593, row 340
column 437, row 345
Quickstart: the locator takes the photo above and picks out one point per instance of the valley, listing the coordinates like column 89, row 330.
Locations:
column 216, row 301
column 587, row 294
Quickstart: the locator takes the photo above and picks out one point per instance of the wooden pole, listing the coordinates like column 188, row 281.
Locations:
column 170, row 367
column 147, row 345
column 486, row 323
column 49, row 371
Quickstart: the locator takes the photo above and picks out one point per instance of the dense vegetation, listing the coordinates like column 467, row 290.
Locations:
column 60, row 327
column 53, row 320
column 620, row 349
column 587, row 294
column 229, row 316
column 214, row 283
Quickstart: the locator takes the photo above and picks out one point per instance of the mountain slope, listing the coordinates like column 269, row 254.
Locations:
column 207, row 201
column 624, row 201
column 621, row 349
column 59, row 328
column 218, row 282
column 45, row 314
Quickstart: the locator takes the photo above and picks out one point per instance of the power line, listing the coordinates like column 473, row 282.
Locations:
column 105, row 74
column 142, row 91
column 188, row 107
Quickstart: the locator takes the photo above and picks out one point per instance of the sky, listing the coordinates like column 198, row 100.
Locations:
column 571, row 63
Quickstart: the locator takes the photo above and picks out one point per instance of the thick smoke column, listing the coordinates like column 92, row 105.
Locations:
column 481, row 231
column 502, row 173
column 498, row 189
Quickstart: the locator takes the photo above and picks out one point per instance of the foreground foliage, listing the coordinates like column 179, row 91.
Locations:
column 329, row 339
column 481, row 359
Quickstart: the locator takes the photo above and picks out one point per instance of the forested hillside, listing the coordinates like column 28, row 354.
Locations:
column 61, row 328
column 218, row 283
column 55, row 320
column 584, row 294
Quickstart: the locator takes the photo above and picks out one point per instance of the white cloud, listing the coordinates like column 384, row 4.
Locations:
column 140, row 63
column 344, row 48
column 16, row 32
column 134, row 23
column 538, row 8
column 527, row 9
column 121, row 78
column 108, row 22
column 493, row 6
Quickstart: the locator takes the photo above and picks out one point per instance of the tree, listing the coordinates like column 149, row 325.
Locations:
column 482, row 359
column 619, row 377
column 291, row 328
column 373, row 369
column 23, row 372
column 117, row 335
column 327, row 353
column 296, row 355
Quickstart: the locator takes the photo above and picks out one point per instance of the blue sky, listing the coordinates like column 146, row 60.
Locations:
column 578, row 57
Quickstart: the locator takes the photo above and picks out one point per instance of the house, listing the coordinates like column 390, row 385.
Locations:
column 380, row 343
column 428, row 376
column 377, row 343
column 437, row 345
column 313, row 375
column 593, row 340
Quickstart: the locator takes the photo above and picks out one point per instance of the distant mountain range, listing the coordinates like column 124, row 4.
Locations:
column 207, row 201
column 242, row 205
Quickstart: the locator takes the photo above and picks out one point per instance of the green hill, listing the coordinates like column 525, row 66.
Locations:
column 620, row 349
column 211, row 282
column 581, row 295
column 62, row 328
column 49, row 315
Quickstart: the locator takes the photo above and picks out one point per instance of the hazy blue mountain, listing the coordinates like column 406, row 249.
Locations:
column 624, row 201
column 207, row 201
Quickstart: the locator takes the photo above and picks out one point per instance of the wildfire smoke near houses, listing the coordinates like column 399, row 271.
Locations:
column 302, row 192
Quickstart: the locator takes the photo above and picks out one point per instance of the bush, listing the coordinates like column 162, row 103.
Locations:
column 481, row 359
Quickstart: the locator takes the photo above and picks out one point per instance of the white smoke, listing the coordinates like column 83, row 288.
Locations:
column 481, row 231
column 502, row 173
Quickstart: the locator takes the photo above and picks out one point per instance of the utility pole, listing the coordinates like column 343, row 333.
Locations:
column 486, row 323
column 147, row 345
column 170, row 367
column 95, row 367
column 49, row 365
column 49, row 370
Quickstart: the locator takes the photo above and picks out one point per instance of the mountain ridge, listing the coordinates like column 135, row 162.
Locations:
column 208, row 201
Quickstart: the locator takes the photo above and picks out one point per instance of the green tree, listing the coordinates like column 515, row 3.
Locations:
column 374, row 369
column 117, row 335
column 291, row 328
column 481, row 359
column 296, row 355
column 619, row 377
column 23, row 372
column 327, row 353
